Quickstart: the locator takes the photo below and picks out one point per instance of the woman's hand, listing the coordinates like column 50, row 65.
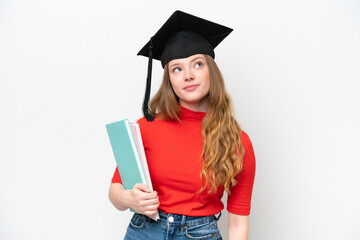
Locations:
column 143, row 200
column 140, row 198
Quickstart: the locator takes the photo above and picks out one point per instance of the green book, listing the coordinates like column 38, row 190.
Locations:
column 128, row 149
column 126, row 154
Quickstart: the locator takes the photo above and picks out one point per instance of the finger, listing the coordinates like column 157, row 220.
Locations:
column 142, row 187
column 148, row 209
column 147, row 196
column 153, row 208
column 152, row 195
column 151, row 202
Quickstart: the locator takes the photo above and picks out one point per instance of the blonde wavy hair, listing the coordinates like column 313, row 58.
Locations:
column 223, row 150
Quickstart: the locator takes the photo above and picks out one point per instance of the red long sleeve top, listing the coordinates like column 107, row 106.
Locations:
column 173, row 152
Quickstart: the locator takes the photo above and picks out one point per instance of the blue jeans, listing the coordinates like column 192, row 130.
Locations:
column 172, row 226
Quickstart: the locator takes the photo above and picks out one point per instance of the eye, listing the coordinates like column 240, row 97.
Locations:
column 198, row 64
column 177, row 69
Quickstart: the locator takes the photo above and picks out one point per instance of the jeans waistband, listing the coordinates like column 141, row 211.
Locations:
column 177, row 219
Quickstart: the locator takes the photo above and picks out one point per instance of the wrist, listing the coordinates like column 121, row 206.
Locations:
column 128, row 200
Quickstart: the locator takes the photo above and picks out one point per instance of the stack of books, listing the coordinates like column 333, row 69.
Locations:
column 128, row 149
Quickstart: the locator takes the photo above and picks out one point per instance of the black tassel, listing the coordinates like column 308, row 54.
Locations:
column 147, row 113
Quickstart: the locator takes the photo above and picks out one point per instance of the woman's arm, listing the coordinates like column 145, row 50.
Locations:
column 238, row 227
column 140, row 198
column 119, row 196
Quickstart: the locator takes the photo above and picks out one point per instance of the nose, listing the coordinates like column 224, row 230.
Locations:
column 189, row 76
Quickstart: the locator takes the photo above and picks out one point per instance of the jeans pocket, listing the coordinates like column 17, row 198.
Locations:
column 203, row 231
column 138, row 221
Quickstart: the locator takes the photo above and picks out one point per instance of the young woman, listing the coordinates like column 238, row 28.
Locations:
column 194, row 146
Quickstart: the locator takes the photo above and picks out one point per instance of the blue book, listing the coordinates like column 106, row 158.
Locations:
column 126, row 154
column 128, row 149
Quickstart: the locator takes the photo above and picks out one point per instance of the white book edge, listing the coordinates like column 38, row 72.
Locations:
column 140, row 148
column 136, row 151
column 135, row 129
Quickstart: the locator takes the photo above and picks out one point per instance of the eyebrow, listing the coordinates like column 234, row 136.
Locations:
column 197, row 58
column 193, row 60
column 173, row 65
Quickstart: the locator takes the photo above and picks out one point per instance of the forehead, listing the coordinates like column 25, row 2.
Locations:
column 187, row 60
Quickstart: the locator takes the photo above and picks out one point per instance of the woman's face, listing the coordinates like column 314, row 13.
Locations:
column 190, row 79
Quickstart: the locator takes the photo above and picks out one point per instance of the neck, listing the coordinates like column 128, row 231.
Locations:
column 201, row 106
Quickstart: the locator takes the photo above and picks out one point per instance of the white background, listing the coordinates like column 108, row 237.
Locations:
column 69, row 67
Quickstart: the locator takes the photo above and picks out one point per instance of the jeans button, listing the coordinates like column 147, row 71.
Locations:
column 171, row 219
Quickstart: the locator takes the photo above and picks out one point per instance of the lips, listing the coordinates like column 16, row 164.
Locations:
column 191, row 87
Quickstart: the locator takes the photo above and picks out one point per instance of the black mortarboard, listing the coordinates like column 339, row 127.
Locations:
column 182, row 35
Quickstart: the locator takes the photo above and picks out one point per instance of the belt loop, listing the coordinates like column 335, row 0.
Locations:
column 183, row 220
column 217, row 218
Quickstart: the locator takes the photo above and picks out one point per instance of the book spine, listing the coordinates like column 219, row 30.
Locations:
column 133, row 145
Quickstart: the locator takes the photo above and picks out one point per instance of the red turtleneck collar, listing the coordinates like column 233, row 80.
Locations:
column 189, row 115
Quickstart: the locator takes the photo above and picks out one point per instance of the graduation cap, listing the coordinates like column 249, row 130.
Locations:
column 182, row 36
